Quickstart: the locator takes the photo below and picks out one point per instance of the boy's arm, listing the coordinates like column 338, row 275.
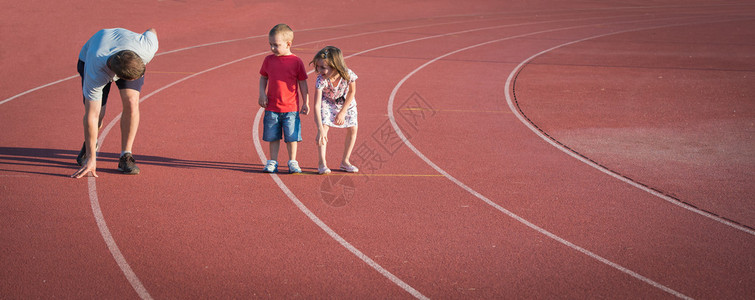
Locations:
column 263, row 93
column 304, row 91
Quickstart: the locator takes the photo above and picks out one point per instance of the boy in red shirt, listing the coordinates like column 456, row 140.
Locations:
column 283, row 79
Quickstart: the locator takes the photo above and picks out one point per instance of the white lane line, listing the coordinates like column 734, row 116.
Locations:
column 509, row 100
column 110, row 242
column 541, row 230
column 39, row 88
column 322, row 224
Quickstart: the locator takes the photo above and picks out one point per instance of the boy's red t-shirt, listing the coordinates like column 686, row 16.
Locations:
column 283, row 75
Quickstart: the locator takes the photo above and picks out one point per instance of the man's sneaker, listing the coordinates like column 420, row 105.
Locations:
column 82, row 155
column 293, row 166
column 127, row 165
column 271, row 167
column 81, row 159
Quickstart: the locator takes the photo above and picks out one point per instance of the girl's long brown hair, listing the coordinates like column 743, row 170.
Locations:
column 334, row 58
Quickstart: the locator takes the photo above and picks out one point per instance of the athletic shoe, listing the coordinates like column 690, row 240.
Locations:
column 271, row 167
column 127, row 165
column 82, row 158
column 293, row 166
column 349, row 168
column 323, row 170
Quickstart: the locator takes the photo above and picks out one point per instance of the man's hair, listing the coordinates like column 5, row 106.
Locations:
column 127, row 65
column 283, row 30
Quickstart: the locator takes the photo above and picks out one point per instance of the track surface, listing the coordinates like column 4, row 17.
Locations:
column 587, row 149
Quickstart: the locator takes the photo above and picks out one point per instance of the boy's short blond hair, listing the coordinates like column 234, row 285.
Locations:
column 283, row 30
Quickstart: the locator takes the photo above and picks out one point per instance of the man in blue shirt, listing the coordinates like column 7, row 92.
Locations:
column 113, row 55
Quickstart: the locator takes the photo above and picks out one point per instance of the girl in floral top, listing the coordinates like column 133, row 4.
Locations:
column 335, row 105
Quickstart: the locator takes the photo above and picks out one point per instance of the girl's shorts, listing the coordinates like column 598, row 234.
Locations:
column 285, row 124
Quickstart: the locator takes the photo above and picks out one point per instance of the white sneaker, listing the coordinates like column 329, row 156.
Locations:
column 293, row 166
column 271, row 167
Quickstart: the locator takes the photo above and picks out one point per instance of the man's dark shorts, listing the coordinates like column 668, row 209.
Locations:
column 122, row 84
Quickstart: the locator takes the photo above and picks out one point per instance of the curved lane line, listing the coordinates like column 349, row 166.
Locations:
column 303, row 208
column 495, row 205
column 39, row 88
column 110, row 242
column 525, row 121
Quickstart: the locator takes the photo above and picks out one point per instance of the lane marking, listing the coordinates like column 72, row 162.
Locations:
column 512, row 106
column 111, row 245
column 541, row 230
column 322, row 224
column 38, row 88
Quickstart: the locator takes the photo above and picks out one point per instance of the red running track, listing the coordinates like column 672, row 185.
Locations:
column 538, row 150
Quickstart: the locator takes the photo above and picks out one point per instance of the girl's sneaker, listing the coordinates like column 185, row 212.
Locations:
column 349, row 168
column 271, row 167
column 293, row 166
column 323, row 170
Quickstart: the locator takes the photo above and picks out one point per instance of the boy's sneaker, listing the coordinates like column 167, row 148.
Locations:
column 293, row 166
column 82, row 155
column 271, row 167
column 127, row 165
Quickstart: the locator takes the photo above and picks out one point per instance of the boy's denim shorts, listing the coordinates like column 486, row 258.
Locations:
column 285, row 124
